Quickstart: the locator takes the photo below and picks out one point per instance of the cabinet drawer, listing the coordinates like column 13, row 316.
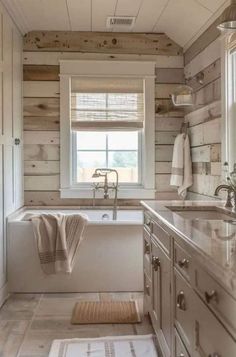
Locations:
column 183, row 310
column 216, row 298
column 147, row 253
column 180, row 350
column 211, row 338
column 162, row 236
column 182, row 261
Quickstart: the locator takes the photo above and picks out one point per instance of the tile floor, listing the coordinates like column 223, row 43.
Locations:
column 29, row 322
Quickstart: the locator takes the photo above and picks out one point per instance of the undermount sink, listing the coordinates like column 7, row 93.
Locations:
column 203, row 213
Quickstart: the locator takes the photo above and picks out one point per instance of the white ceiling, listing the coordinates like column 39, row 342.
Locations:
column 181, row 20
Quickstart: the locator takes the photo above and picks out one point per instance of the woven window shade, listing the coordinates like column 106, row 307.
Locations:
column 106, row 103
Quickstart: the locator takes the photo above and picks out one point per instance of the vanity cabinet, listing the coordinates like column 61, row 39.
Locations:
column 192, row 314
column 157, row 276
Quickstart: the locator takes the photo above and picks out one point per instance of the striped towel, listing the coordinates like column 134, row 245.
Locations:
column 58, row 237
column 181, row 173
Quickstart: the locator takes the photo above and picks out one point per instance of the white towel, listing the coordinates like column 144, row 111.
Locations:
column 58, row 237
column 181, row 173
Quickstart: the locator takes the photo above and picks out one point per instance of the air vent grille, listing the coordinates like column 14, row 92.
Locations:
column 121, row 22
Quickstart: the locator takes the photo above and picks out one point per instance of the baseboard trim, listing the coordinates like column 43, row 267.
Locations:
column 3, row 294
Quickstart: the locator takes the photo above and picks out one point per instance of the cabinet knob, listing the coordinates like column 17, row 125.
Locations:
column 181, row 303
column 211, row 296
column 156, row 263
column 17, row 141
column 183, row 263
column 181, row 355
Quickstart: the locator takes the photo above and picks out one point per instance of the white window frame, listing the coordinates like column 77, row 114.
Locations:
column 228, row 44
column 126, row 69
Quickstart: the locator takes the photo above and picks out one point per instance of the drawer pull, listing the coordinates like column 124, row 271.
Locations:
column 183, row 263
column 147, row 288
column 214, row 355
column 147, row 248
column 156, row 263
column 181, row 355
column 181, row 303
column 212, row 296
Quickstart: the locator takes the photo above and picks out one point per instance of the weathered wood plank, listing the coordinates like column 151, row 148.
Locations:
column 101, row 42
column 206, row 113
column 169, row 75
column 41, row 152
column 41, row 137
column 206, row 133
column 209, row 55
column 168, row 123
column 201, row 168
column 34, row 168
column 205, row 184
column 41, row 107
column 164, row 152
column 41, row 123
column 163, row 167
column 163, row 183
column 41, row 89
column 208, row 75
column 206, row 153
column 53, row 58
column 52, row 198
column 40, row 73
column 164, row 91
column 208, row 94
column 42, row 183
column 166, row 107
column 210, row 35
column 165, row 137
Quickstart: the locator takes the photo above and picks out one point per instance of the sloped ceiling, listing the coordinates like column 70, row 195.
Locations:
column 181, row 20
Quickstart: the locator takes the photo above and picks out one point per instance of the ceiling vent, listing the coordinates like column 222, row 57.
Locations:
column 119, row 22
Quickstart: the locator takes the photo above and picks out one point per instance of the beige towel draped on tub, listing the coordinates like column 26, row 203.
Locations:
column 181, row 173
column 58, row 237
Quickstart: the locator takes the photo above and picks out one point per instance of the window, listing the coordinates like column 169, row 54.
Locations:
column 116, row 150
column 106, row 123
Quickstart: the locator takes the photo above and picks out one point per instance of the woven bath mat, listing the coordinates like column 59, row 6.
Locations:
column 105, row 312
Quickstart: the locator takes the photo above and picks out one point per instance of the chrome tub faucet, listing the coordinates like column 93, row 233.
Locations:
column 104, row 172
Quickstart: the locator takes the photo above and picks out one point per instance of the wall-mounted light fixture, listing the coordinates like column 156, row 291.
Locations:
column 183, row 96
column 228, row 17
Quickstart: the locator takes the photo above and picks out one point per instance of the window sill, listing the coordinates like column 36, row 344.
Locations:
column 129, row 193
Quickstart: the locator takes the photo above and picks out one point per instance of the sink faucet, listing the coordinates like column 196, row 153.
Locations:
column 104, row 172
column 229, row 190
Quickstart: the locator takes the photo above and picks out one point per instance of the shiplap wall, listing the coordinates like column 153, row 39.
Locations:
column 41, row 103
column 203, row 73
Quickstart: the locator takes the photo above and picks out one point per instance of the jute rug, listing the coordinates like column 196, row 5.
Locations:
column 105, row 312
column 122, row 346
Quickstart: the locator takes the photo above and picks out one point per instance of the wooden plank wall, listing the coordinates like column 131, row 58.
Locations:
column 203, row 73
column 41, row 105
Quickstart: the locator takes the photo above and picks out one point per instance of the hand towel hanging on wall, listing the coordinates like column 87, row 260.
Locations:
column 181, row 173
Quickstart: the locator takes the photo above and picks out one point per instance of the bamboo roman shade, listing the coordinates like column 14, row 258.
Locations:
column 106, row 103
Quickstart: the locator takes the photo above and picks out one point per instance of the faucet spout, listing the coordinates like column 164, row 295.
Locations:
column 229, row 190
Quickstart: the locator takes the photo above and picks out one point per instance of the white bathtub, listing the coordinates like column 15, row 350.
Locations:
column 109, row 258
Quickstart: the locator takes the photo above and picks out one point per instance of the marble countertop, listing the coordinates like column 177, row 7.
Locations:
column 213, row 241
